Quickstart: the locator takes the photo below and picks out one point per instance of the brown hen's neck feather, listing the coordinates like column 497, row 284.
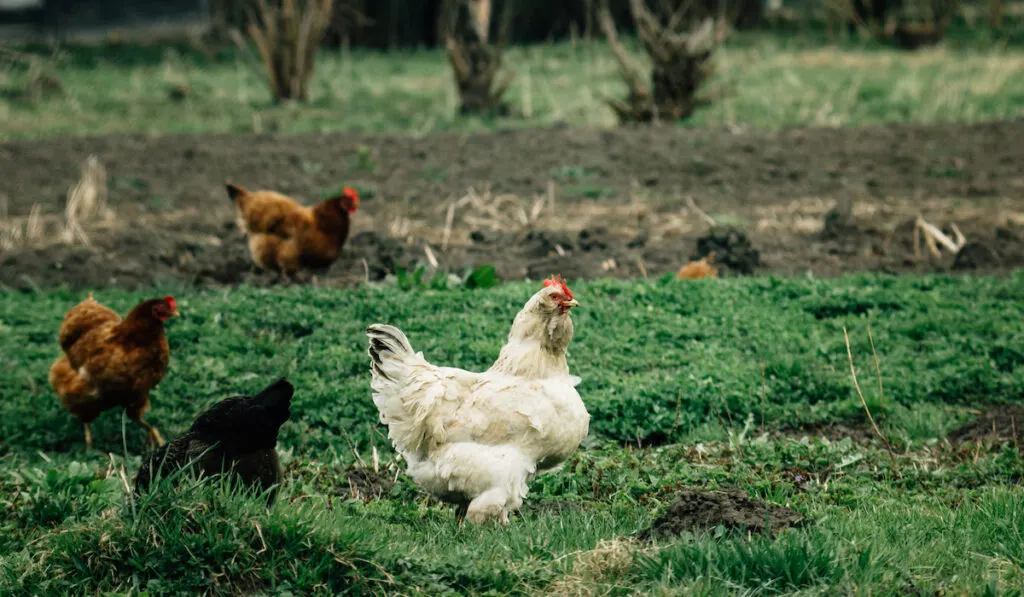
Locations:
column 331, row 219
column 141, row 326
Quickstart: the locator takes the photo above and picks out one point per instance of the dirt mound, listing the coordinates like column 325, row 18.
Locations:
column 701, row 510
column 1000, row 424
column 839, row 223
column 366, row 484
column 976, row 255
column 732, row 249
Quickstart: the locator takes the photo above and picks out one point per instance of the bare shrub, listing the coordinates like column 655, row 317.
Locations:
column 40, row 81
column 287, row 35
column 465, row 26
column 681, row 64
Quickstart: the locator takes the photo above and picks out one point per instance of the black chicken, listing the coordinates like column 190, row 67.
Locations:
column 238, row 435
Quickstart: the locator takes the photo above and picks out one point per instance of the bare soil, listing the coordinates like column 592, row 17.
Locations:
column 858, row 431
column 366, row 484
column 698, row 509
column 1004, row 423
column 583, row 203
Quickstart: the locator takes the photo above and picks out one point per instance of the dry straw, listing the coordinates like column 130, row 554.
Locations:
column 86, row 201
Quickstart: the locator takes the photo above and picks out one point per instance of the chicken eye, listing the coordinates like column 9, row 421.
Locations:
column 557, row 297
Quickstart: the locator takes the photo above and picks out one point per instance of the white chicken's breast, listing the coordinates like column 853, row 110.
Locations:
column 477, row 439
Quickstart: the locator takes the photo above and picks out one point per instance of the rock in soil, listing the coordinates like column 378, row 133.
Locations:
column 701, row 510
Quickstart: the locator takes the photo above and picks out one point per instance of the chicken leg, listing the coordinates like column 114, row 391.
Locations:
column 88, row 436
column 489, row 505
column 152, row 434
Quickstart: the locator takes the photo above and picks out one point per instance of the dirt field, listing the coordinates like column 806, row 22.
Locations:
column 584, row 203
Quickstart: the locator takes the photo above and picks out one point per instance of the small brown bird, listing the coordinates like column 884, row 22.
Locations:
column 238, row 434
column 110, row 362
column 287, row 237
column 702, row 268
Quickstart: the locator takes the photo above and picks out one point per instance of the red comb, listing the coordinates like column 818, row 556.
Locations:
column 173, row 304
column 352, row 194
column 558, row 281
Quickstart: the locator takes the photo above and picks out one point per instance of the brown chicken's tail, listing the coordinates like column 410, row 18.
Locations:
column 235, row 191
column 71, row 388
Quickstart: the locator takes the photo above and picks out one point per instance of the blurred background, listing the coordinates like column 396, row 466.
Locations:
column 389, row 24
column 598, row 138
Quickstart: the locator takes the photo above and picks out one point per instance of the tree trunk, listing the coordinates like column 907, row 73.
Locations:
column 676, row 84
column 476, row 64
column 681, row 65
column 995, row 16
column 749, row 14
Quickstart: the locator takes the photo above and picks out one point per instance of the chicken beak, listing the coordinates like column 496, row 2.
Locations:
column 175, row 314
column 570, row 304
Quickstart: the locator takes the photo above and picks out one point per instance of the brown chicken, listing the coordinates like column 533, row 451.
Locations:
column 702, row 268
column 287, row 237
column 110, row 362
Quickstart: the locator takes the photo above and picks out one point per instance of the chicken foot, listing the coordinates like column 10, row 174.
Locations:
column 460, row 513
column 152, row 434
column 489, row 504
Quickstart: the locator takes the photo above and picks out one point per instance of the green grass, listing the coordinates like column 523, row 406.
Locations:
column 763, row 81
column 669, row 363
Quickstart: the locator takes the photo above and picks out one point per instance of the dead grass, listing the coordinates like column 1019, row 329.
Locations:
column 595, row 572
column 86, row 202
column 806, row 215
column 482, row 209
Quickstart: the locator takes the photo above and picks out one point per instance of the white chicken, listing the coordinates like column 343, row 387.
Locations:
column 477, row 439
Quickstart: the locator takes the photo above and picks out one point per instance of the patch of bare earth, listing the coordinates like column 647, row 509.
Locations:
column 858, row 431
column 998, row 425
column 584, row 203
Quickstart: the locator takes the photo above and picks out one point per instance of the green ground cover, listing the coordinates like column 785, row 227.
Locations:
column 689, row 384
